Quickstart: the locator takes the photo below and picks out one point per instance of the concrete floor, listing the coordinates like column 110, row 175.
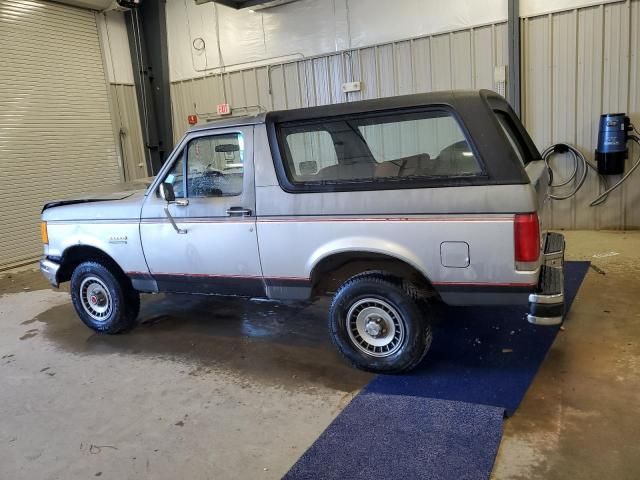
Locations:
column 581, row 416
column 213, row 389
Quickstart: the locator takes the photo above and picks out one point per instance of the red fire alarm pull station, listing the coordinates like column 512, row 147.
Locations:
column 192, row 119
column 224, row 109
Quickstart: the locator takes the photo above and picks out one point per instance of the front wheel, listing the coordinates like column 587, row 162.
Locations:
column 378, row 324
column 104, row 300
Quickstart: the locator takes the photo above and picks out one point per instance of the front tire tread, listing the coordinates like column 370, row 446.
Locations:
column 125, row 298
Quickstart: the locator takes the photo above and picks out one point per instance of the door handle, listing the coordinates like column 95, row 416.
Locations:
column 238, row 212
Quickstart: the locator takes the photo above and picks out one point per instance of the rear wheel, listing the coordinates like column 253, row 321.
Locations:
column 378, row 324
column 104, row 299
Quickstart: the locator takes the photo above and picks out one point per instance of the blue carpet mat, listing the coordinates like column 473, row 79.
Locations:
column 444, row 419
column 483, row 355
column 388, row 436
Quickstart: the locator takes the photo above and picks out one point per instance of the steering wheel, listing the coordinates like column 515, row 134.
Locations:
column 212, row 171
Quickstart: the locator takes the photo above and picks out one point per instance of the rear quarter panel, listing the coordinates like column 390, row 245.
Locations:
column 292, row 246
column 539, row 177
column 292, row 243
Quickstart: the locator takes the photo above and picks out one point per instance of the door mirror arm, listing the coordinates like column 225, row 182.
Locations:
column 169, row 196
column 172, row 221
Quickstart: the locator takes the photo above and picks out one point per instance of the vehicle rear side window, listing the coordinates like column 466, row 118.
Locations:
column 391, row 147
column 512, row 136
column 311, row 151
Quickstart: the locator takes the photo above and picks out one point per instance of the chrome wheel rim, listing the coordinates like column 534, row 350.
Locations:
column 95, row 298
column 375, row 327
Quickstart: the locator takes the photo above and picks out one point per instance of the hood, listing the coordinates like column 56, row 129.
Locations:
column 111, row 206
column 103, row 197
column 119, row 191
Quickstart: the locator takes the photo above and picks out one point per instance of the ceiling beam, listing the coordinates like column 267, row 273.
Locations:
column 240, row 4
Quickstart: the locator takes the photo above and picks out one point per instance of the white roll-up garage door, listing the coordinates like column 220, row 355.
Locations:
column 56, row 137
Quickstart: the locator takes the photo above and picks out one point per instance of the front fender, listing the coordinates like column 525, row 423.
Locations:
column 120, row 241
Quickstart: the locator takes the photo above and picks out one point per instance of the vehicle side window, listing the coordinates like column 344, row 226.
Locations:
column 377, row 148
column 311, row 151
column 215, row 166
column 509, row 131
column 176, row 177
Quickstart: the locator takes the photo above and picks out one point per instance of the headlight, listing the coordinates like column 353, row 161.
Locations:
column 44, row 233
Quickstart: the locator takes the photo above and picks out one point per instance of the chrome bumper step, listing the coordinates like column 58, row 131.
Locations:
column 554, row 249
column 546, row 304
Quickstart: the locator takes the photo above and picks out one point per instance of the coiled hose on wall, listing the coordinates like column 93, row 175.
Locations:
column 581, row 167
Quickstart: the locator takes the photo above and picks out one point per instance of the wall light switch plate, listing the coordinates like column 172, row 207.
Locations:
column 500, row 79
column 500, row 73
column 351, row 87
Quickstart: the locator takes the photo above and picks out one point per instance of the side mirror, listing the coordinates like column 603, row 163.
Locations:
column 167, row 193
column 169, row 196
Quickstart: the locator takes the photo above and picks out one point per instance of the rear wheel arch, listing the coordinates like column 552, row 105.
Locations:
column 332, row 271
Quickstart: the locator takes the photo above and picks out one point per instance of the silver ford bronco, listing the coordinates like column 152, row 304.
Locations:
column 389, row 205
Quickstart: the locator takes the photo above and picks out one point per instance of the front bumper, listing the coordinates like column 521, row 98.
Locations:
column 49, row 269
column 546, row 304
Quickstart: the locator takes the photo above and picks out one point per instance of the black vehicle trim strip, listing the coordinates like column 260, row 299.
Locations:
column 172, row 278
column 546, row 310
column 249, row 286
column 484, row 287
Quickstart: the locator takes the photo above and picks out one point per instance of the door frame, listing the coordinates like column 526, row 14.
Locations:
column 197, row 215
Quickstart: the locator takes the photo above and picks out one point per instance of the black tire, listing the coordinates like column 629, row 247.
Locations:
column 395, row 300
column 94, row 281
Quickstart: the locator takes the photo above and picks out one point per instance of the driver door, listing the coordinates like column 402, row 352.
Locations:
column 214, row 248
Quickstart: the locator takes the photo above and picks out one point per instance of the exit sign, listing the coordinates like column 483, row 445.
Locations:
column 224, row 109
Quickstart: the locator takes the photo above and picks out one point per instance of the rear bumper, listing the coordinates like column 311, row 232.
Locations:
column 50, row 269
column 546, row 304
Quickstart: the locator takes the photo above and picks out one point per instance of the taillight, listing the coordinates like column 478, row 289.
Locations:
column 526, row 229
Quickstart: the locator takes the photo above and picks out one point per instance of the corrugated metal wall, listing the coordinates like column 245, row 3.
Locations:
column 56, row 137
column 461, row 59
column 126, row 121
column 576, row 65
